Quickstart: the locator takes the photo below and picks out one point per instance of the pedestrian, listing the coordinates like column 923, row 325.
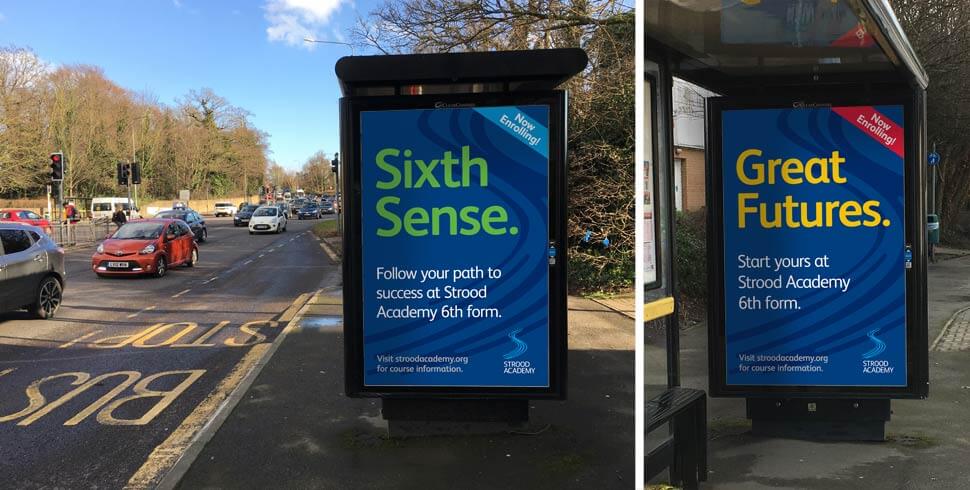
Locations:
column 69, row 212
column 119, row 217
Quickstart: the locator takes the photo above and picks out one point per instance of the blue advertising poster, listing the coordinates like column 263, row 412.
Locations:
column 814, row 251
column 455, row 232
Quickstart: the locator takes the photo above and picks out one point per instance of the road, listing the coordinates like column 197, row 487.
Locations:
column 109, row 393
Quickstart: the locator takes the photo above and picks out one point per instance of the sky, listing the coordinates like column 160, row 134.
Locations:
column 249, row 51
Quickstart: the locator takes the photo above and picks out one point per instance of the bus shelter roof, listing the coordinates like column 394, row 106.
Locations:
column 733, row 46
column 535, row 69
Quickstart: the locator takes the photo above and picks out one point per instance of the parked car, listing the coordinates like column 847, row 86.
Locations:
column 146, row 247
column 224, row 209
column 244, row 214
column 309, row 211
column 25, row 216
column 104, row 207
column 190, row 217
column 269, row 219
column 31, row 270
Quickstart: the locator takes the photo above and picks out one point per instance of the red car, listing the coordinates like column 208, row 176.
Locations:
column 25, row 216
column 146, row 246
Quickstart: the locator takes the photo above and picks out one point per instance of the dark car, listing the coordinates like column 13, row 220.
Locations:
column 309, row 211
column 244, row 214
column 31, row 270
column 190, row 217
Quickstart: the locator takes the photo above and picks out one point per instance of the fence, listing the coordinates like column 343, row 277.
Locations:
column 81, row 233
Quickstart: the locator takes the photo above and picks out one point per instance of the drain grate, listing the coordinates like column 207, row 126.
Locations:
column 956, row 334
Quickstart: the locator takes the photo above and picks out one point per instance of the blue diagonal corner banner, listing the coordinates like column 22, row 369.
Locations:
column 517, row 123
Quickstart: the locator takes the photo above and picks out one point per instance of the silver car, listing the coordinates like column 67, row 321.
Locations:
column 31, row 270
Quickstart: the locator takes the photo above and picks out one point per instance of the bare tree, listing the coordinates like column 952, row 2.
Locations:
column 939, row 31
column 602, row 128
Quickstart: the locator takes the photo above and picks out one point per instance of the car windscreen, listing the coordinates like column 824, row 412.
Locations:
column 249, row 209
column 102, row 206
column 265, row 212
column 139, row 231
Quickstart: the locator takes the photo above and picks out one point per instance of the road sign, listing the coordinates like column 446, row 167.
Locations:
column 933, row 158
column 801, row 311
column 184, row 195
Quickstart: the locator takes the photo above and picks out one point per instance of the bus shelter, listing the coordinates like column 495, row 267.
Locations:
column 454, row 270
column 815, row 182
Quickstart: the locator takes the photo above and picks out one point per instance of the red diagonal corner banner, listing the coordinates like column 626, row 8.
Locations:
column 856, row 37
column 876, row 125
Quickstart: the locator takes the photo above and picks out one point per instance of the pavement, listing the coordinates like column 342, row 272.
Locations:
column 928, row 444
column 111, row 392
column 294, row 428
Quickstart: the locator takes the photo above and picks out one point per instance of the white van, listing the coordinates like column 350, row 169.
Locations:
column 104, row 207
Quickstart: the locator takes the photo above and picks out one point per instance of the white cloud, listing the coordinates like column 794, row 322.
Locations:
column 292, row 20
column 177, row 3
column 2, row 18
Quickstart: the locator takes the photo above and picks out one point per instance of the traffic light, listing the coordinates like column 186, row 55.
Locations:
column 136, row 173
column 335, row 164
column 57, row 167
column 123, row 169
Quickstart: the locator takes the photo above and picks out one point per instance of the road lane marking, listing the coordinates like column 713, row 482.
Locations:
column 150, row 308
column 200, row 342
column 250, row 261
column 330, row 252
column 7, row 371
column 207, row 281
column 180, row 294
column 262, row 255
column 171, row 459
column 38, row 405
column 295, row 306
column 79, row 339
column 125, row 339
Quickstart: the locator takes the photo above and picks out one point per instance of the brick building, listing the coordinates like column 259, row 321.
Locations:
column 689, row 175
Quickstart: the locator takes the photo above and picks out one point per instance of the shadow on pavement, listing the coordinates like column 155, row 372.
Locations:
column 296, row 429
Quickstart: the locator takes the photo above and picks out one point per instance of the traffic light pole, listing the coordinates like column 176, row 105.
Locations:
column 128, row 186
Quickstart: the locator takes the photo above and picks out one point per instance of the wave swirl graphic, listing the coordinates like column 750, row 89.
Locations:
column 878, row 349
column 520, row 346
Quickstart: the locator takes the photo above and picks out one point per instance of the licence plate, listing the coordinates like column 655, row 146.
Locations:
column 118, row 265
column 261, row 227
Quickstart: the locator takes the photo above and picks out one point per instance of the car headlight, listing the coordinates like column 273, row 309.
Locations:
column 100, row 248
column 148, row 249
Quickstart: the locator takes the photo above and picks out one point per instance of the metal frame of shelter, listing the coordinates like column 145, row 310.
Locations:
column 704, row 42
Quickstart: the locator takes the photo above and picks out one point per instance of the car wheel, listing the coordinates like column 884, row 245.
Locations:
column 48, row 298
column 161, row 267
column 193, row 258
column 205, row 235
column 251, row 232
